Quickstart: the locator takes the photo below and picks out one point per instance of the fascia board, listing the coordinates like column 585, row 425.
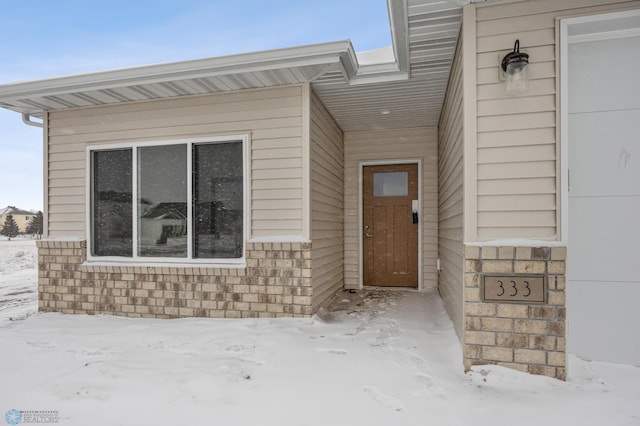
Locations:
column 349, row 63
column 318, row 54
column 380, row 77
column 379, row 73
column 398, row 21
column 378, row 69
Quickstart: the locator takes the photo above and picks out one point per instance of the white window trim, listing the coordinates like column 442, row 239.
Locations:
column 135, row 260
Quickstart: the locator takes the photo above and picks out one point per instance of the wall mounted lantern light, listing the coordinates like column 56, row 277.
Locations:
column 514, row 64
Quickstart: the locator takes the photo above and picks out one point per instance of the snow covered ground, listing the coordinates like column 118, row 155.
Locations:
column 375, row 358
column 18, row 279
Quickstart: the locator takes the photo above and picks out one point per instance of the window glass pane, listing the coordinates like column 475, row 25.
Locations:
column 112, row 227
column 217, row 200
column 162, row 201
column 391, row 184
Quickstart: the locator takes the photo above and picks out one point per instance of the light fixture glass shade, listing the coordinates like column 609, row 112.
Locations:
column 517, row 78
column 515, row 65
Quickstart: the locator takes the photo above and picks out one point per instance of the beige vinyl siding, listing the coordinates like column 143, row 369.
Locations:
column 517, row 152
column 451, row 195
column 389, row 145
column 327, row 201
column 272, row 118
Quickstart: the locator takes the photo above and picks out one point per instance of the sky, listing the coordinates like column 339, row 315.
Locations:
column 44, row 38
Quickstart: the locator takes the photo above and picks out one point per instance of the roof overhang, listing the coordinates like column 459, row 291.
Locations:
column 235, row 72
column 405, row 92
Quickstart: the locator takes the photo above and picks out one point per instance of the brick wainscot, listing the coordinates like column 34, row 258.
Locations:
column 276, row 282
column 529, row 337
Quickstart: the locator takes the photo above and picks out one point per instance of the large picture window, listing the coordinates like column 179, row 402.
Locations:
column 171, row 201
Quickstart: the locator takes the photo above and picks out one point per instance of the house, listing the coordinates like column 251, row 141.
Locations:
column 330, row 170
column 22, row 217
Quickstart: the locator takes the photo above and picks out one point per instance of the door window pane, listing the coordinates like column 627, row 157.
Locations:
column 162, row 201
column 217, row 200
column 391, row 184
column 112, row 203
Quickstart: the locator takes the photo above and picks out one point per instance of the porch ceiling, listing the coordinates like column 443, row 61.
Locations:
column 405, row 93
column 426, row 35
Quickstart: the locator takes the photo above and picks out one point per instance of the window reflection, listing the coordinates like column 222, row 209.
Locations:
column 112, row 207
column 162, row 201
column 217, row 200
column 162, row 196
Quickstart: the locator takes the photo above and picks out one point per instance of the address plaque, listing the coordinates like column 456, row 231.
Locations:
column 514, row 288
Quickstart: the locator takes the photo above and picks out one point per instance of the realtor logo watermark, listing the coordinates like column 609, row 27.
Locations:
column 14, row 417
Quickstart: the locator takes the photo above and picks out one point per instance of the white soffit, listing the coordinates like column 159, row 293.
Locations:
column 407, row 92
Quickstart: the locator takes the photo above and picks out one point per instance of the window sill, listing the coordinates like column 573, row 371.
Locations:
column 241, row 263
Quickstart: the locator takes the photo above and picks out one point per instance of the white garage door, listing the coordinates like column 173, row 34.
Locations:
column 603, row 265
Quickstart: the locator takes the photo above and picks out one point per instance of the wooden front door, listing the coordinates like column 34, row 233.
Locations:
column 390, row 225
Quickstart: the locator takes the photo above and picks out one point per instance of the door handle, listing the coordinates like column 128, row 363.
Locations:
column 367, row 235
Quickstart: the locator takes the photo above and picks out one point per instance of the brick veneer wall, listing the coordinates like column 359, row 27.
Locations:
column 526, row 337
column 275, row 283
